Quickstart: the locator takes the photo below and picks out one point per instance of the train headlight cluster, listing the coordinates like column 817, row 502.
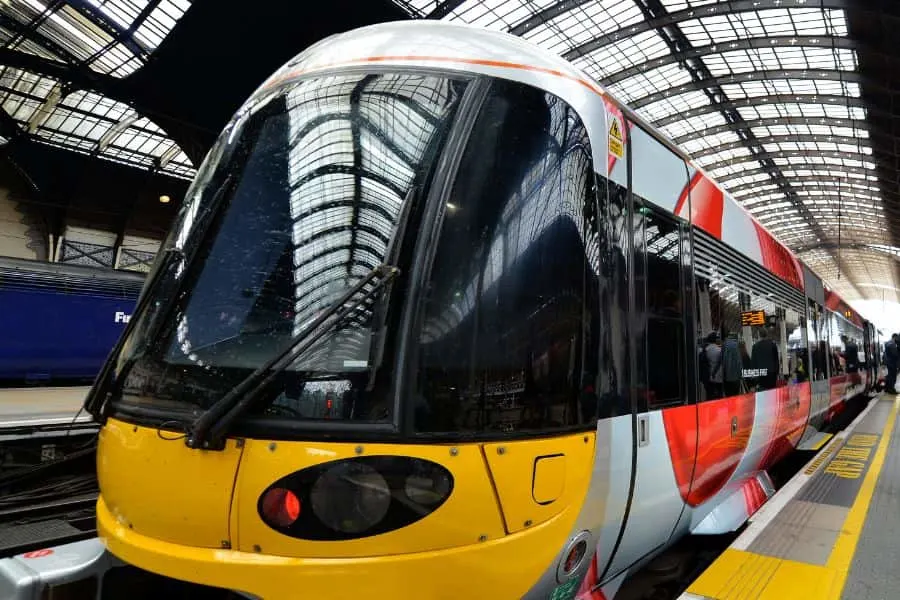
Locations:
column 355, row 497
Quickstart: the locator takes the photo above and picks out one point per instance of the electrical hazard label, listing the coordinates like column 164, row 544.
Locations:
column 616, row 139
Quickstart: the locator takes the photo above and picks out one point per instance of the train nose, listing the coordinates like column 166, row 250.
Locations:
column 159, row 488
column 316, row 500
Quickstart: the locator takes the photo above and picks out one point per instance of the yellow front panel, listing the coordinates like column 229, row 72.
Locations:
column 469, row 516
column 164, row 490
column 512, row 467
column 549, row 479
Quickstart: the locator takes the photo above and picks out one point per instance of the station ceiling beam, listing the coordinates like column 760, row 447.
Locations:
column 816, row 99
column 780, row 41
column 764, row 76
column 688, row 14
column 860, row 124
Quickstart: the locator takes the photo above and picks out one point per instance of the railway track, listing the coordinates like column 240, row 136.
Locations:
column 47, row 495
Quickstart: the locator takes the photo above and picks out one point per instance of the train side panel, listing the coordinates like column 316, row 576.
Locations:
column 52, row 335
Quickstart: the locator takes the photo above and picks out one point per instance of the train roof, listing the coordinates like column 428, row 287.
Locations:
column 456, row 46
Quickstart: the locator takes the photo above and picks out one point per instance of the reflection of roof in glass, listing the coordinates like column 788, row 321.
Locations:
column 765, row 97
column 111, row 37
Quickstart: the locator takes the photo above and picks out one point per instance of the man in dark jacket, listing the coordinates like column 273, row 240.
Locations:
column 851, row 354
column 766, row 361
column 891, row 361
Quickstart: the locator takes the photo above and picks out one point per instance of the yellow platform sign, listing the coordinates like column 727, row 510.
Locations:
column 616, row 139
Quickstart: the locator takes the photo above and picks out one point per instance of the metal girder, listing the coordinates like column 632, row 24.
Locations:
column 32, row 35
column 860, row 124
column 811, row 166
column 764, row 207
column 778, row 139
column 765, row 75
column 782, row 41
column 120, row 34
column 699, row 12
column 9, row 127
column 823, row 99
column 825, row 216
column 800, row 182
column 547, row 14
column 444, row 8
column 788, row 154
column 80, row 77
column 831, row 245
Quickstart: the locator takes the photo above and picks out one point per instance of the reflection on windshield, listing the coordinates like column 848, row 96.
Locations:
column 312, row 194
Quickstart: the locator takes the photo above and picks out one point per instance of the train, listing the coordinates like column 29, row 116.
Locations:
column 431, row 323
column 60, row 321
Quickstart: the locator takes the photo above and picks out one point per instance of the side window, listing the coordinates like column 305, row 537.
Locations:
column 510, row 327
column 664, row 309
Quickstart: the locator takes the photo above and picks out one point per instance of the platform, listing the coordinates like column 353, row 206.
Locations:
column 832, row 532
column 42, row 412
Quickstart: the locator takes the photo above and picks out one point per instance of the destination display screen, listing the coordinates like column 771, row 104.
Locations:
column 750, row 318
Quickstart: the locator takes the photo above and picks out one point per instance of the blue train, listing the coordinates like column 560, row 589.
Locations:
column 59, row 322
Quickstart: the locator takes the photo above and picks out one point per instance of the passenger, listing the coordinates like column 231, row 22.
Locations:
column 733, row 366
column 711, row 366
column 851, row 354
column 746, row 365
column 766, row 361
column 891, row 361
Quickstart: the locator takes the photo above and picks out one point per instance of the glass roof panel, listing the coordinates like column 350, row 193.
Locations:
column 114, row 37
column 815, row 133
column 87, row 122
column 583, row 23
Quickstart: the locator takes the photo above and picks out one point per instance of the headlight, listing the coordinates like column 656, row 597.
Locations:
column 355, row 497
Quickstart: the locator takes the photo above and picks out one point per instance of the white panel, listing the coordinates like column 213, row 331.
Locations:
column 738, row 230
column 659, row 175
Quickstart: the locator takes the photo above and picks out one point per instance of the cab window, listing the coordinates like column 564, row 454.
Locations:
column 510, row 328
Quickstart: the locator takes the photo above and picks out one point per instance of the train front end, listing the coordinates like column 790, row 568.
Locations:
column 354, row 369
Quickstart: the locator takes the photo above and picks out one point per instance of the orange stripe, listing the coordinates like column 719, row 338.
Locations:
column 468, row 61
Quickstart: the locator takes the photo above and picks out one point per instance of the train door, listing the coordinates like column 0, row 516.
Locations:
column 660, row 353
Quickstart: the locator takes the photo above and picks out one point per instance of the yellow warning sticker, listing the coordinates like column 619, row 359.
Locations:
column 616, row 145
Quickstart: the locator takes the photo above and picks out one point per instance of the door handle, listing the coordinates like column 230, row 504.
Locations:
column 734, row 426
column 643, row 430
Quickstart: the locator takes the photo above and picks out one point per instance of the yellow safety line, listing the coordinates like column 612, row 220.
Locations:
column 742, row 575
column 841, row 557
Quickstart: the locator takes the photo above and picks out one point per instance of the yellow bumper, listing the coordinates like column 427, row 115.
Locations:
column 504, row 568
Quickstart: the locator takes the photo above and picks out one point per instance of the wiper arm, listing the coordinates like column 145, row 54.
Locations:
column 207, row 431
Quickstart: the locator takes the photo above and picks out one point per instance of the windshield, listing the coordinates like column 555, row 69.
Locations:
column 313, row 192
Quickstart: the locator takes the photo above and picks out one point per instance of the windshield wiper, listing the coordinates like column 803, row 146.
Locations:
column 208, row 430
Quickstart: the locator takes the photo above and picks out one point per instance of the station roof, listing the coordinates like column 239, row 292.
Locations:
column 786, row 103
column 108, row 38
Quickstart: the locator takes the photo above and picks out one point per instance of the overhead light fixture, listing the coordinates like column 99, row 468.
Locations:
column 164, row 199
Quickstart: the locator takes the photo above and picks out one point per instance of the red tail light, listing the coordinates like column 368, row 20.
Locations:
column 280, row 506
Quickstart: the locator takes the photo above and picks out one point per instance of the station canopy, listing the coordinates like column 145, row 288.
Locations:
column 111, row 38
column 763, row 94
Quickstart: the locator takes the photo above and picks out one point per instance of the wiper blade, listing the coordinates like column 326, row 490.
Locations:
column 207, row 431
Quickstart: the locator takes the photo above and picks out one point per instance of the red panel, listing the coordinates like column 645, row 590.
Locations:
column 615, row 111
column 681, row 434
column 707, row 205
column 778, row 259
column 790, row 405
column 835, row 303
column 838, row 385
column 586, row 590
column 718, row 452
column 754, row 495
